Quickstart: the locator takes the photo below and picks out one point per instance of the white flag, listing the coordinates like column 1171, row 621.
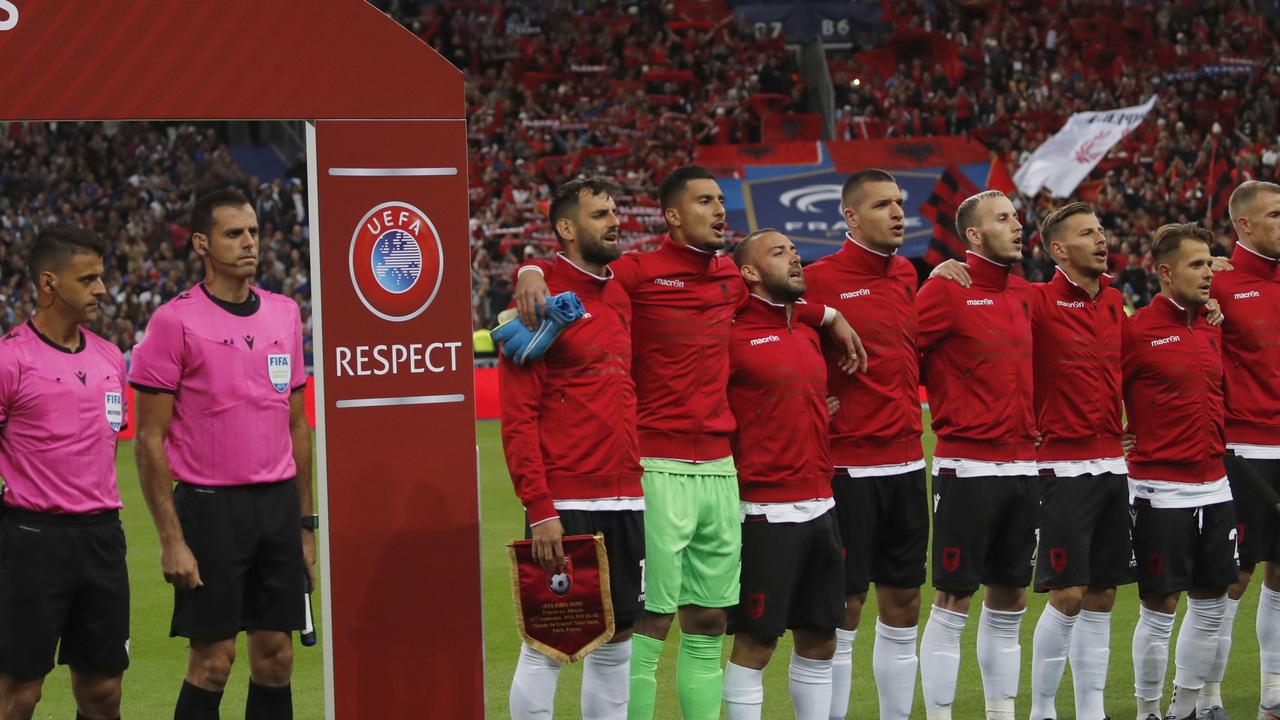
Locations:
column 1068, row 157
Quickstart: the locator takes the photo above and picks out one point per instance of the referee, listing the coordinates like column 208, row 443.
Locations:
column 220, row 412
column 63, row 577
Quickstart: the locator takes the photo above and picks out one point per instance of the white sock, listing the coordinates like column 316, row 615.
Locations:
column 940, row 661
column 1268, row 626
column 1090, row 656
column 810, row 683
column 1150, row 657
column 842, row 673
column 1211, row 693
column 743, row 692
column 1049, row 652
column 1194, row 653
column 533, row 689
column 893, row 662
column 999, row 659
column 606, row 682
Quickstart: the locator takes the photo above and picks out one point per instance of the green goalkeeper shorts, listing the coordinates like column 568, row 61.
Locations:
column 692, row 534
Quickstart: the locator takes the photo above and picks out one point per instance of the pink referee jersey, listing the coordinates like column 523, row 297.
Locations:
column 60, row 412
column 231, row 376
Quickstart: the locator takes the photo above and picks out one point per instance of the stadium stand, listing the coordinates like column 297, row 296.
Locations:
column 134, row 184
column 630, row 90
column 626, row 89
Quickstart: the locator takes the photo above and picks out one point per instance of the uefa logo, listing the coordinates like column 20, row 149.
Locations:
column 396, row 261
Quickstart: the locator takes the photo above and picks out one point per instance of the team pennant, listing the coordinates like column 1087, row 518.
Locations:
column 568, row 613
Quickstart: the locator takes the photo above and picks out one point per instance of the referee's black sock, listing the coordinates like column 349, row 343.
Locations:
column 197, row 703
column 269, row 703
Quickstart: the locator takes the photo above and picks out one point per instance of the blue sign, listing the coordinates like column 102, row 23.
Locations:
column 804, row 204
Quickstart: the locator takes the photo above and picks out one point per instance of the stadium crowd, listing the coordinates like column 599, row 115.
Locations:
column 625, row 90
column 134, row 184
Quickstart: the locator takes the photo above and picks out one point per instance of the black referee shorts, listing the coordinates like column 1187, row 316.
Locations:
column 1257, row 524
column 984, row 531
column 884, row 523
column 63, row 578
column 247, row 541
column 1084, row 532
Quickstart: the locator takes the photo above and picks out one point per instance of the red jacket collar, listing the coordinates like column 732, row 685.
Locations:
column 690, row 257
column 768, row 312
column 575, row 278
column 1061, row 282
column 1253, row 262
column 1166, row 309
column 986, row 273
column 860, row 257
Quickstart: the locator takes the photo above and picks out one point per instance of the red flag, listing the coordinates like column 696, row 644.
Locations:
column 566, row 614
column 940, row 209
column 998, row 178
column 1222, row 182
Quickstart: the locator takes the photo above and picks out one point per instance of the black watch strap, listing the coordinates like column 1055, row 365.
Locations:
column 310, row 522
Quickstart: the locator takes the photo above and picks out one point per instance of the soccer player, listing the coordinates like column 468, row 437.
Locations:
column 683, row 299
column 879, row 484
column 1250, row 298
column 63, row 578
column 1184, row 527
column 569, row 435
column 976, row 348
column 792, row 574
column 1083, row 550
column 220, row 411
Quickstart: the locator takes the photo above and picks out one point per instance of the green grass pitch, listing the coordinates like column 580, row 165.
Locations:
column 159, row 662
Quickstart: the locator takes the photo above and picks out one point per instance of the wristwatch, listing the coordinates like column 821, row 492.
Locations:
column 310, row 522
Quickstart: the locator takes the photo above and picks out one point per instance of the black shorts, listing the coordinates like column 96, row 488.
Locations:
column 1257, row 524
column 792, row 577
column 1182, row 549
column 984, row 531
column 63, row 577
column 884, row 523
column 247, row 540
column 623, row 532
column 1084, row 532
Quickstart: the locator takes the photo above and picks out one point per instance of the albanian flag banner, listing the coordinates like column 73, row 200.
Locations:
column 566, row 614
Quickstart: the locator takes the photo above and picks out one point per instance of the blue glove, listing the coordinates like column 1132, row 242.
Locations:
column 520, row 344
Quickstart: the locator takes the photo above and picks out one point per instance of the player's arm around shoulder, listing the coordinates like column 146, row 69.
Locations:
column 935, row 305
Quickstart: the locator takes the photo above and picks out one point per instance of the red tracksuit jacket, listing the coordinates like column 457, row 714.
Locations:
column 1077, row 369
column 1250, row 300
column 975, row 346
column 569, row 419
column 1173, row 395
column 682, row 305
column 777, row 392
column 878, row 422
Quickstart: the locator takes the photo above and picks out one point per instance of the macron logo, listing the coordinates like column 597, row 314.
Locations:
column 1247, row 295
column 668, row 283
column 979, row 303
column 855, row 293
column 1165, row 341
column 766, row 339
column 1076, row 304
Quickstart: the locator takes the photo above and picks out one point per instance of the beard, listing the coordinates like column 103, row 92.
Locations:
column 598, row 253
